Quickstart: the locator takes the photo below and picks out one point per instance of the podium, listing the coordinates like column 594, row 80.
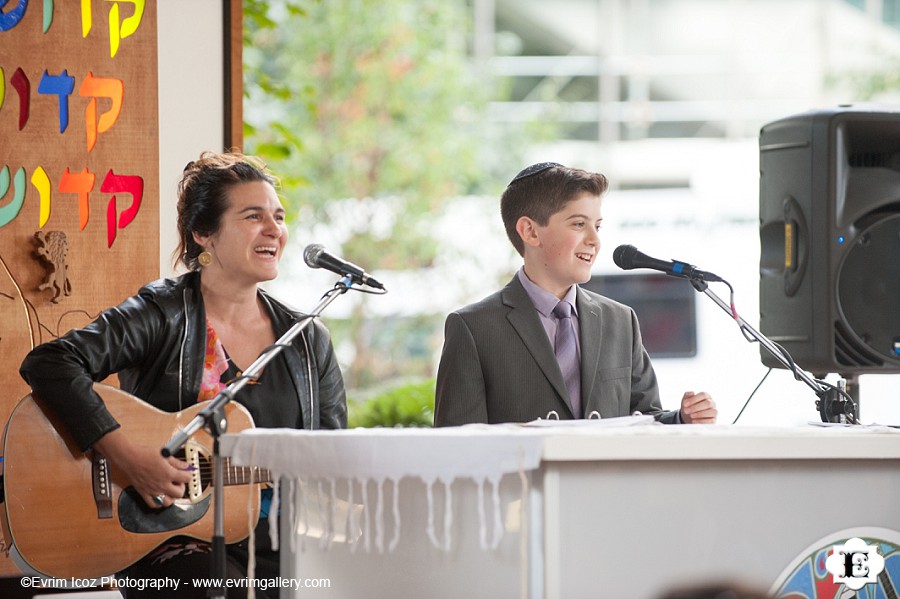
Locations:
column 584, row 510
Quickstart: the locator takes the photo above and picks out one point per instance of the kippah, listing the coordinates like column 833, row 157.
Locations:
column 534, row 169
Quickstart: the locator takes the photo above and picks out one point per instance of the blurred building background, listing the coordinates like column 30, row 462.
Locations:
column 665, row 97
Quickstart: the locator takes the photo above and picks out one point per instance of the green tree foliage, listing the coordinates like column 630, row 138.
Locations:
column 873, row 84
column 364, row 99
column 373, row 108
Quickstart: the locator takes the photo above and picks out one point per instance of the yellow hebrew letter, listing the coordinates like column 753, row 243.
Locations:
column 119, row 32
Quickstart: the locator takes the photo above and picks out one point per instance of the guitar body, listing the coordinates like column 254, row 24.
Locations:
column 71, row 514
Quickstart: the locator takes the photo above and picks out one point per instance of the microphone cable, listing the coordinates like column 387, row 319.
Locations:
column 850, row 407
column 751, row 339
column 752, row 393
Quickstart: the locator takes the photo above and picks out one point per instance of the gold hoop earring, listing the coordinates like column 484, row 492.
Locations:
column 205, row 258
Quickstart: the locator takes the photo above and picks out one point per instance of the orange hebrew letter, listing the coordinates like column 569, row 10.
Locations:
column 81, row 183
column 96, row 87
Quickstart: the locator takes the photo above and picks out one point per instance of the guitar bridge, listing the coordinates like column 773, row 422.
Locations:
column 101, row 484
column 193, row 455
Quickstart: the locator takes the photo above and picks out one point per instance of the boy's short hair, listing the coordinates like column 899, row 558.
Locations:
column 542, row 190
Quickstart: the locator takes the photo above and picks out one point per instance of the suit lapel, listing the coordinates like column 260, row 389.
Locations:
column 524, row 319
column 589, row 338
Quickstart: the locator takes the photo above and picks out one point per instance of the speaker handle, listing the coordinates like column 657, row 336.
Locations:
column 796, row 246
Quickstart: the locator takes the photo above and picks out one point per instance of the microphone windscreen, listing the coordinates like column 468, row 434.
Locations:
column 623, row 256
column 312, row 253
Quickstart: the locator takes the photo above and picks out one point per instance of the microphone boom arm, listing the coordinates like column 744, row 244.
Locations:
column 253, row 371
column 701, row 286
column 213, row 417
column 833, row 401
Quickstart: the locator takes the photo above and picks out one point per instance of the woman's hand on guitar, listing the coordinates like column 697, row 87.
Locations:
column 158, row 480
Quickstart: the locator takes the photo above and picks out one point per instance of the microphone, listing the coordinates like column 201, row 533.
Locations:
column 315, row 256
column 627, row 257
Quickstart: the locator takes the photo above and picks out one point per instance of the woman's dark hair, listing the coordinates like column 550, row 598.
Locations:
column 203, row 197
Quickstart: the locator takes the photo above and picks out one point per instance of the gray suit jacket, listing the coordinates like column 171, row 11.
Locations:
column 498, row 365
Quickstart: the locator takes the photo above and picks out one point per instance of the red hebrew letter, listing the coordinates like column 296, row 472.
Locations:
column 113, row 183
column 21, row 84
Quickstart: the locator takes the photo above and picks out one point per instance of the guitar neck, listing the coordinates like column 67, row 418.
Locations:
column 243, row 475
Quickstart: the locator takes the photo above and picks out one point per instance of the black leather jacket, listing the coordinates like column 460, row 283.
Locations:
column 156, row 342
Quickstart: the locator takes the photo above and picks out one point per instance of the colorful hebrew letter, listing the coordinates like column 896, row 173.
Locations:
column 111, row 222
column 97, row 87
column 11, row 210
column 60, row 85
column 10, row 19
column 41, row 182
column 128, row 27
column 21, row 84
column 86, row 20
column 113, row 183
column 48, row 15
column 2, row 86
column 81, row 183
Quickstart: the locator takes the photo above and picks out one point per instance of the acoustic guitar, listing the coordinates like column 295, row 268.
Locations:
column 72, row 514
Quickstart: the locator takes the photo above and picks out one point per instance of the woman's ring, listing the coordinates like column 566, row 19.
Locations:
column 159, row 499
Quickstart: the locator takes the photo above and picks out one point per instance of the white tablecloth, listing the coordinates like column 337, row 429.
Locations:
column 314, row 464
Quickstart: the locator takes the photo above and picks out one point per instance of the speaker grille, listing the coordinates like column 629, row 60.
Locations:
column 870, row 159
column 868, row 291
column 850, row 353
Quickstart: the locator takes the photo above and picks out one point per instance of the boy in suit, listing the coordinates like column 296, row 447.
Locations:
column 542, row 344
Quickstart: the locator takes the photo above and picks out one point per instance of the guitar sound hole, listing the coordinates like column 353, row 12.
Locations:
column 136, row 516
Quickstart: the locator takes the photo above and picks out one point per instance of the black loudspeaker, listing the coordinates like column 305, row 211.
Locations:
column 829, row 227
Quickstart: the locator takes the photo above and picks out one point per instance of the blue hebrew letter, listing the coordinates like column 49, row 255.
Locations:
column 61, row 85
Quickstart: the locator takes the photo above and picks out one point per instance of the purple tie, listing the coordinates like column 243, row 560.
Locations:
column 567, row 354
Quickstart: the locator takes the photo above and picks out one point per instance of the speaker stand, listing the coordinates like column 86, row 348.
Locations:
column 840, row 404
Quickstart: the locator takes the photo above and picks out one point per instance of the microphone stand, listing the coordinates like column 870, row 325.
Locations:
column 834, row 404
column 212, row 417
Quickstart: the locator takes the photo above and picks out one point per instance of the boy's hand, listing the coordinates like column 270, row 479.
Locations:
column 698, row 408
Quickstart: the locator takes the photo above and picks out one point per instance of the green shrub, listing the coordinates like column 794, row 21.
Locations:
column 409, row 404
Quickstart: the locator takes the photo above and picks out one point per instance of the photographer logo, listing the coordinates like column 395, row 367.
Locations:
column 855, row 564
